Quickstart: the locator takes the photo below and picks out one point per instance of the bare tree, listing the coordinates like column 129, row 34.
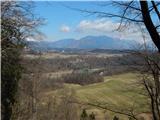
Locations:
column 147, row 19
column 136, row 12
column 150, row 72
column 28, row 95
column 17, row 24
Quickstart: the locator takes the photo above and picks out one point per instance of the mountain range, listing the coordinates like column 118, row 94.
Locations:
column 88, row 42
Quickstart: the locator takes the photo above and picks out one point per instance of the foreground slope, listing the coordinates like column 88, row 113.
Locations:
column 117, row 91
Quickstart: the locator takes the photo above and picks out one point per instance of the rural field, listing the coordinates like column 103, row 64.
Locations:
column 80, row 60
column 119, row 91
column 114, row 91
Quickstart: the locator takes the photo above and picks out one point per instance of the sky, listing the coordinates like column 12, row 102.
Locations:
column 62, row 22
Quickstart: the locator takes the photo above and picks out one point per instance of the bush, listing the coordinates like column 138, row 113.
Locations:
column 92, row 116
column 115, row 118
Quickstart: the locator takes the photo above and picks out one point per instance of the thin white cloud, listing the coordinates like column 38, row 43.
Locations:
column 108, row 27
column 30, row 39
column 65, row 28
column 98, row 25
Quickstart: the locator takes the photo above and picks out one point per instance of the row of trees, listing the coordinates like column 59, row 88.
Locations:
column 82, row 78
column 108, row 65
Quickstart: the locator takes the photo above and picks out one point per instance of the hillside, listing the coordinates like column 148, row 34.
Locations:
column 114, row 92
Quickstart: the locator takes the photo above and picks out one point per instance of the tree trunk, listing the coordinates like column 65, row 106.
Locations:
column 7, row 111
column 149, row 24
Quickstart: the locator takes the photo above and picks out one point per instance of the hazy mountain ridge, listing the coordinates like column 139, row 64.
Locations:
column 88, row 42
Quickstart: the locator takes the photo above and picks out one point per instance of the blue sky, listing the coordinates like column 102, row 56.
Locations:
column 58, row 17
column 62, row 22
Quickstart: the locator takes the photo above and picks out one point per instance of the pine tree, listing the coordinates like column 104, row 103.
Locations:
column 84, row 115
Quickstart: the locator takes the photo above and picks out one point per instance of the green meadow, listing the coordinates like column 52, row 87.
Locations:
column 120, row 92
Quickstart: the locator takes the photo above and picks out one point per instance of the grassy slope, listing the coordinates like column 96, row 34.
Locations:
column 115, row 90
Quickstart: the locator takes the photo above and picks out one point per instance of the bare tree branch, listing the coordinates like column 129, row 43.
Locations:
column 156, row 9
